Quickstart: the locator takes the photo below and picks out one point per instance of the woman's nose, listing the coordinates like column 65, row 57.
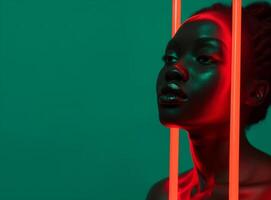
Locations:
column 175, row 74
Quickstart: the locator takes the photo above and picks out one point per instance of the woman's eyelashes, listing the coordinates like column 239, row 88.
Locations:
column 169, row 59
column 206, row 59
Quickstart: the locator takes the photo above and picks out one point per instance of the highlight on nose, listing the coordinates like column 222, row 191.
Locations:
column 174, row 74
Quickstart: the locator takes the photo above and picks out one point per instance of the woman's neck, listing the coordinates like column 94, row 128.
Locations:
column 210, row 153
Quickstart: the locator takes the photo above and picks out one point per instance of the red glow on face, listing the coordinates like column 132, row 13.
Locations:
column 208, row 86
column 221, row 96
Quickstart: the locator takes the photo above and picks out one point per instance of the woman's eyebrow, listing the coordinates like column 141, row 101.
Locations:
column 172, row 46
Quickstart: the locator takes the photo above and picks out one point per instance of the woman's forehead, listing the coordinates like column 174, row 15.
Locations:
column 213, row 16
column 202, row 26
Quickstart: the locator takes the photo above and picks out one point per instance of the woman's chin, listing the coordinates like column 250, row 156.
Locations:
column 187, row 125
column 171, row 125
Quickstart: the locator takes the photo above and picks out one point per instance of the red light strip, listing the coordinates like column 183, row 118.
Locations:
column 235, row 100
column 174, row 132
column 176, row 15
column 174, row 165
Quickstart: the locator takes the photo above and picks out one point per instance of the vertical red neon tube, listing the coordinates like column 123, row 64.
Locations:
column 176, row 16
column 235, row 100
column 173, row 164
column 174, row 132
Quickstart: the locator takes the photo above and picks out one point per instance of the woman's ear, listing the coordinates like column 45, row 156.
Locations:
column 257, row 92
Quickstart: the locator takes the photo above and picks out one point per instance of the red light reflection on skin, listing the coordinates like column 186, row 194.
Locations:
column 222, row 91
column 226, row 31
column 235, row 90
column 190, row 181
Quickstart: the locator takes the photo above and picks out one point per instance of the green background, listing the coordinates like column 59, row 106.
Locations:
column 78, row 113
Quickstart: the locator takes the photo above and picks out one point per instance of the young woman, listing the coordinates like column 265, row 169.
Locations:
column 193, row 93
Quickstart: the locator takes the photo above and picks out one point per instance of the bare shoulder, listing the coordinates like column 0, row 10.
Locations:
column 159, row 191
column 262, row 170
column 265, row 193
column 260, row 191
column 258, row 186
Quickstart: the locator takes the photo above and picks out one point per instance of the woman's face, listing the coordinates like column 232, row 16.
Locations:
column 193, row 87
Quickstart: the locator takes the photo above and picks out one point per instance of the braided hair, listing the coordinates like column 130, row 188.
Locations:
column 256, row 19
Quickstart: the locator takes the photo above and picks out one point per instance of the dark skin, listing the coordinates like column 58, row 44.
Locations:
column 193, row 90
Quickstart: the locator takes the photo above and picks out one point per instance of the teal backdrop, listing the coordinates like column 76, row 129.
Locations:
column 78, row 113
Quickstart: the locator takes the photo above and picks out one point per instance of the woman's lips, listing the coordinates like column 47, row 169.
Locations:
column 171, row 99
column 172, row 94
